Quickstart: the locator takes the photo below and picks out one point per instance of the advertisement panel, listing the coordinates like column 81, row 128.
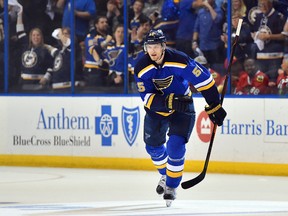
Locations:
column 255, row 130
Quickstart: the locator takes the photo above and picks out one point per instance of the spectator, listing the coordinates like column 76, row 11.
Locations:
column 285, row 33
column 114, row 54
column 245, row 41
column 187, row 18
column 61, row 73
column 14, row 11
column 35, row 16
column 219, row 3
column 114, row 13
column 95, row 69
column 236, row 70
column 208, row 30
column 36, row 57
column 55, row 21
column 282, row 79
column 136, row 14
column 270, row 42
column 152, row 9
column 239, row 7
column 168, row 21
column 252, row 11
column 251, row 80
column 84, row 11
column 136, row 48
column 137, row 38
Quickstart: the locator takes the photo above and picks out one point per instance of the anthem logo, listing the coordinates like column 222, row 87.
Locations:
column 106, row 125
column 204, row 127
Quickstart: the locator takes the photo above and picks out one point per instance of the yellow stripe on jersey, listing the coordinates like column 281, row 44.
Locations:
column 149, row 101
column 165, row 113
column 207, row 86
column 173, row 174
column 174, row 64
column 145, row 70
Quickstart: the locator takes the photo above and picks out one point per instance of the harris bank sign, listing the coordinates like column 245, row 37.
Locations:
column 241, row 127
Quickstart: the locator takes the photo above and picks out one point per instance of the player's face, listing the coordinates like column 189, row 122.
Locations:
column 154, row 51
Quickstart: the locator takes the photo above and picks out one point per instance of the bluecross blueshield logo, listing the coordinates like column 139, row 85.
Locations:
column 106, row 125
column 130, row 123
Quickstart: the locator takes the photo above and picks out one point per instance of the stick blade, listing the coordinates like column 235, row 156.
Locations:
column 192, row 182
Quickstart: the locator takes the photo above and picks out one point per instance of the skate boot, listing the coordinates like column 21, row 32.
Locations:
column 161, row 185
column 169, row 195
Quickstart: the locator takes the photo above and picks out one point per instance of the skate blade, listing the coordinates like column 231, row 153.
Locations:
column 168, row 203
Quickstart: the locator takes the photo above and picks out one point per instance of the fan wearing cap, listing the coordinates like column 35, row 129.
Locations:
column 162, row 77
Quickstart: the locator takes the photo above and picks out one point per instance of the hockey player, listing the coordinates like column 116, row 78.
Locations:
column 162, row 77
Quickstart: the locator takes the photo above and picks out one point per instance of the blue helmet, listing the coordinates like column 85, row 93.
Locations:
column 155, row 36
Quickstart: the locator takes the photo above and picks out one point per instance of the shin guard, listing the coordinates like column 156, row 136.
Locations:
column 176, row 156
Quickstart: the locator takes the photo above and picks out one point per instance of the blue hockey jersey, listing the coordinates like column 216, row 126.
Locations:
column 154, row 82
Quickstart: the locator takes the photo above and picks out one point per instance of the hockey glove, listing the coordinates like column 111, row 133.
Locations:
column 216, row 113
column 179, row 103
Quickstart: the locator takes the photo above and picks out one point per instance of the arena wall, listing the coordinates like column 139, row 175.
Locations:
column 106, row 132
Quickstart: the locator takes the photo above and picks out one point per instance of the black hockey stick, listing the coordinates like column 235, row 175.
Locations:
column 192, row 182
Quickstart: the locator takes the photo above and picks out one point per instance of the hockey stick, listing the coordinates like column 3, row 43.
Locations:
column 192, row 182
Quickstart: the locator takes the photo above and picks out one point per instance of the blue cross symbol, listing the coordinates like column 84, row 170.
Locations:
column 106, row 125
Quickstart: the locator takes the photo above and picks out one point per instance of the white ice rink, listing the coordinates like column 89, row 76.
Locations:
column 59, row 191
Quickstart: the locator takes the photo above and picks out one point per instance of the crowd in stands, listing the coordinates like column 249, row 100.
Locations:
column 40, row 42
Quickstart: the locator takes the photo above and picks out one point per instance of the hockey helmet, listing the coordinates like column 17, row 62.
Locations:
column 155, row 37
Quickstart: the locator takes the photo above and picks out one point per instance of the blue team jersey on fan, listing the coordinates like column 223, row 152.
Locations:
column 174, row 76
column 115, row 56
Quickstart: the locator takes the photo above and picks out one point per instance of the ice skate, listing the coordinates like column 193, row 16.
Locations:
column 161, row 185
column 169, row 195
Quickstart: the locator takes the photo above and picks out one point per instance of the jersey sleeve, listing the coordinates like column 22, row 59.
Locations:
column 202, row 80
